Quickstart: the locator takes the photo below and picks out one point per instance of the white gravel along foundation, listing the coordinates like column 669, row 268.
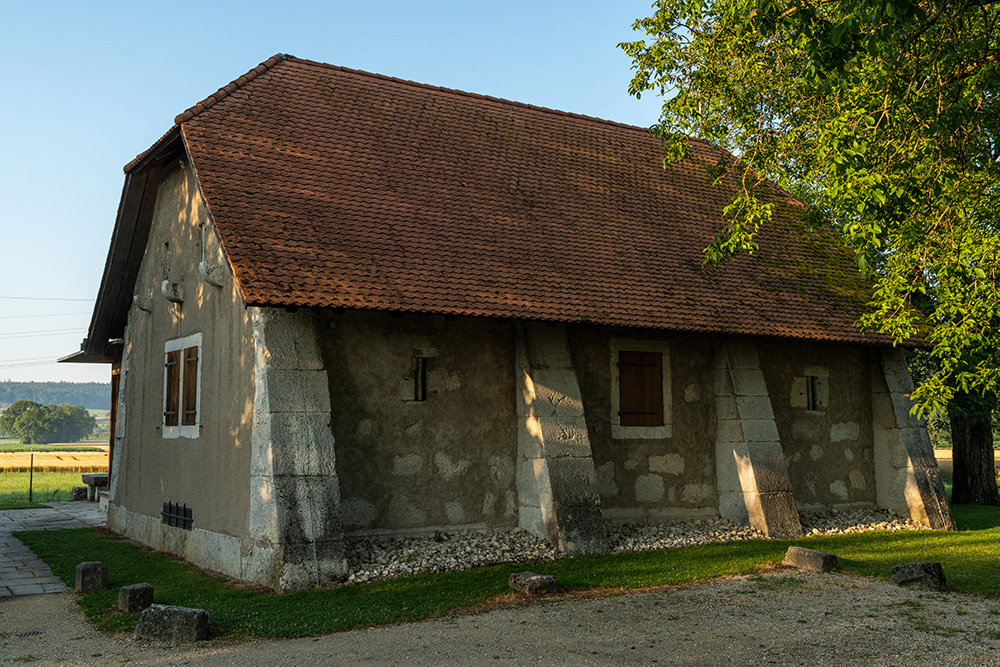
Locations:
column 375, row 557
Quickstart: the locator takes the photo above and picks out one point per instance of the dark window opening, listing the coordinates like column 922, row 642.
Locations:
column 640, row 388
column 420, row 378
column 816, row 395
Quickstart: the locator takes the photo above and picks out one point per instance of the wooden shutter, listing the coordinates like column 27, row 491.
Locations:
column 171, row 403
column 640, row 388
column 190, row 416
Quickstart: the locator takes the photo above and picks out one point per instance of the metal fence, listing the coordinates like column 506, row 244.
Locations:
column 31, row 478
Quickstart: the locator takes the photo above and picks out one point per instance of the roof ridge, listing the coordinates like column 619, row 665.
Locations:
column 480, row 96
column 231, row 87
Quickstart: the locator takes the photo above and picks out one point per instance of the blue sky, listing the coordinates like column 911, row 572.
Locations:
column 88, row 85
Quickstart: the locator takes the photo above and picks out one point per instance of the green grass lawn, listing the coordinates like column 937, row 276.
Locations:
column 969, row 557
column 47, row 487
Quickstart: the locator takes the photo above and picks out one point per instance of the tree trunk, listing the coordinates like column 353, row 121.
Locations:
column 974, row 481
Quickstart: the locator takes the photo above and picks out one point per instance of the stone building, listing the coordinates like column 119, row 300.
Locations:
column 339, row 303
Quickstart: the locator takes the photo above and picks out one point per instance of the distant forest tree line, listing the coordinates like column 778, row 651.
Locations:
column 91, row 395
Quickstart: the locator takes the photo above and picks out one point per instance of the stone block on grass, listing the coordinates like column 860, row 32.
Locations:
column 91, row 575
column 533, row 583
column 920, row 575
column 810, row 560
column 135, row 597
column 173, row 623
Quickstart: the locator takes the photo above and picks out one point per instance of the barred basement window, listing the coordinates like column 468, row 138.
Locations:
column 181, row 387
column 175, row 514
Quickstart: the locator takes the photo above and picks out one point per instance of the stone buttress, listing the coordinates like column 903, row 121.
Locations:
column 908, row 480
column 295, row 524
column 751, row 470
column 556, row 479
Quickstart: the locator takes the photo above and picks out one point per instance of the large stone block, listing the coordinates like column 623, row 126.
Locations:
column 742, row 354
column 293, row 443
column 290, row 340
column 532, row 519
column 777, row 515
column 726, row 408
column 318, row 565
column 215, row 551
column 581, row 528
column 897, row 374
column 770, row 470
column 135, row 597
column 295, row 391
column 760, row 430
column 573, row 481
column 729, row 430
column 755, row 407
column 748, row 382
column 920, row 575
column 173, row 623
column 547, row 346
column 91, row 575
column 308, row 508
column 263, row 520
column 533, row 485
column 557, row 393
column 532, row 583
column 810, row 560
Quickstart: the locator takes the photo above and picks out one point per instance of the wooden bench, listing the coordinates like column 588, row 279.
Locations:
column 95, row 481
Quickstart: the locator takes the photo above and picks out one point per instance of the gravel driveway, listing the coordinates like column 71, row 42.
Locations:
column 781, row 617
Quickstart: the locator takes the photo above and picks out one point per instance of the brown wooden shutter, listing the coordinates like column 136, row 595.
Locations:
column 190, row 416
column 172, row 402
column 640, row 388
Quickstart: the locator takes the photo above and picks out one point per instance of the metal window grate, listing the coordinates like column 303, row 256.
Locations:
column 175, row 514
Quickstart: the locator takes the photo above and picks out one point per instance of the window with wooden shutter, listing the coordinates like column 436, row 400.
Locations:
column 640, row 389
column 190, row 416
column 182, row 387
column 173, row 387
column 640, row 386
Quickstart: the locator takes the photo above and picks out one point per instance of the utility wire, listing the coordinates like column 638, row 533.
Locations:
column 21, row 317
column 38, row 334
column 40, row 331
column 42, row 298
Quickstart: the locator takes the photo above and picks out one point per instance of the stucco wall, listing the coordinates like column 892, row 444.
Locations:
column 408, row 465
column 829, row 451
column 655, row 479
column 210, row 472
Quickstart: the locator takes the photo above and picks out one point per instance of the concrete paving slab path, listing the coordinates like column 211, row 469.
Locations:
column 21, row 572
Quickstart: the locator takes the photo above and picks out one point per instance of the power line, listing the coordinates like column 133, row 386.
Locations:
column 26, row 364
column 34, row 334
column 42, row 298
column 21, row 317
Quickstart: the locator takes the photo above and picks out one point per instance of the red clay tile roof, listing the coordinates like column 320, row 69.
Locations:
column 333, row 187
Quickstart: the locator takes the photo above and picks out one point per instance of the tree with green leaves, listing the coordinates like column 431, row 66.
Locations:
column 12, row 413
column 883, row 119
column 40, row 424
